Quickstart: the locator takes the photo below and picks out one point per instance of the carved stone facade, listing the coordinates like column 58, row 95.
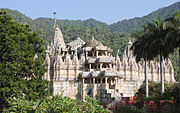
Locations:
column 88, row 68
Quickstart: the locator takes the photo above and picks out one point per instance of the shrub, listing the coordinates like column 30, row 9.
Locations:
column 56, row 104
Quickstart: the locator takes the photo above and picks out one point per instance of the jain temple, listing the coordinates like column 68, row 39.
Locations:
column 80, row 69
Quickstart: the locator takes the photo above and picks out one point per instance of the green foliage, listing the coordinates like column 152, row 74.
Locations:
column 92, row 106
column 135, row 24
column 20, row 73
column 171, row 92
column 56, row 104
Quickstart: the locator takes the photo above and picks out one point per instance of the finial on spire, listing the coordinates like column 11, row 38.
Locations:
column 129, row 43
column 117, row 51
column 78, row 37
column 92, row 37
column 54, row 19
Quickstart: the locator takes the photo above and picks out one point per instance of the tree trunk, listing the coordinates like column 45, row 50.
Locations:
column 146, row 79
column 161, row 75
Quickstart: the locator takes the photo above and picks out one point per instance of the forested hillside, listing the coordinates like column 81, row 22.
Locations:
column 114, row 36
column 136, row 23
column 72, row 29
column 121, row 26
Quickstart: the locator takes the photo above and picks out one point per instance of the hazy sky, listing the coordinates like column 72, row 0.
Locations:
column 108, row 11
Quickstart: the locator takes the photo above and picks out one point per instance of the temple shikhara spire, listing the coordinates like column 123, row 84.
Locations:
column 80, row 69
column 54, row 19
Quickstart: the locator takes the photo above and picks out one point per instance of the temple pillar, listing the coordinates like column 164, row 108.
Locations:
column 94, row 88
column 83, row 81
column 100, row 66
column 110, row 66
column 86, row 54
column 106, row 53
column 93, row 80
column 89, row 66
column 116, row 83
column 90, row 81
column 97, row 53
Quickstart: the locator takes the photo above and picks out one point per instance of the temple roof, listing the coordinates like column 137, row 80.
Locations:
column 93, row 43
column 107, row 73
column 76, row 43
column 58, row 39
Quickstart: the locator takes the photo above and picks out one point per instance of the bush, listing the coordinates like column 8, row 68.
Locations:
column 56, row 104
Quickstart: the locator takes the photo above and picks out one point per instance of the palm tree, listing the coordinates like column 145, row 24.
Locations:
column 139, row 48
column 152, row 45
column 173, row 36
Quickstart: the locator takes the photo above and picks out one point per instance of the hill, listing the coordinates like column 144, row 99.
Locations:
column 124, row 26
column 114, row 35
column 136, row 23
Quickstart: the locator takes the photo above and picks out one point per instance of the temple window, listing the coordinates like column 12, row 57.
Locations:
column 99, row 80
column 87, row 81
column 87, row 66
column 108, row 66
column 89, row 92
column 91, row 81
column 90, row 54
column 113, row 80
column 96, row 80
column 103, row 66
column 94, row 66
column 99, row 54
column 95, row 54
column 108, row 81
column 103, row 80
column 99, row 66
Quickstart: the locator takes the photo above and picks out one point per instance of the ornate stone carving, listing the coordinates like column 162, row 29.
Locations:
column 80, row 66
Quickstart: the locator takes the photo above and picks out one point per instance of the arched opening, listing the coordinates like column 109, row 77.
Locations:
column 100, row 54
column 90, row 54
column 108, row 80
column 87, row 81
column 94, row 53
column 96, row 80
column 103, row 80
column 99, row 81
column 91, row 80
column 108, row 66
column 103, row 66
column 99, row 66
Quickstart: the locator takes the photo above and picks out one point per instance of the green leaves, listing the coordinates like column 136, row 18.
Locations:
column 55, row 104
column 20, row 74
column 92, row 106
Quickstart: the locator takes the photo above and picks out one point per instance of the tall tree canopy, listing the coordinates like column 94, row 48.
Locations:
column 21, row 59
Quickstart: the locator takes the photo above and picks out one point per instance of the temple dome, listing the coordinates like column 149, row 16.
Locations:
column 93, row 43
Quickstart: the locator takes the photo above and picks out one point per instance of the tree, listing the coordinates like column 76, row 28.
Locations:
column 20, row 71
column 140, row 50
column 151, row 44
column 173, row 37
